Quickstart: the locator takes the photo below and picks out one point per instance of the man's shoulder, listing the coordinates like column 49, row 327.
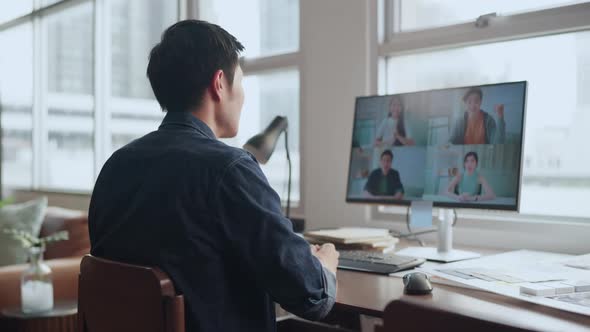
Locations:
column 201, row 152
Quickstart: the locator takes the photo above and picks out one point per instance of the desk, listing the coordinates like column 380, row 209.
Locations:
column 369, row 294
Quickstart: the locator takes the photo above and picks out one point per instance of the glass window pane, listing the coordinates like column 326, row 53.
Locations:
column 16, row 100
column 12, row 9
column 268, row 95
column 70, row 50
column 271, row 27
column 70, row 164
column 136, row 26
column 424, row 14
column 556, row 176
column 71, row 151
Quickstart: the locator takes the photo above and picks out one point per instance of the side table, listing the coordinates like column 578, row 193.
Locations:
column 62, row 318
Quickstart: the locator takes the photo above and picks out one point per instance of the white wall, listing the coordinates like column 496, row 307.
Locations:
column 333, row 72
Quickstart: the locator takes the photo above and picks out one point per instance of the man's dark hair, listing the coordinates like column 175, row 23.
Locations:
column 473, row 91
column 183, row 63
column 387, row 153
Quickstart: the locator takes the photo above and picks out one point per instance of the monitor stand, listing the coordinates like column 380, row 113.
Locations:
column 444, row 251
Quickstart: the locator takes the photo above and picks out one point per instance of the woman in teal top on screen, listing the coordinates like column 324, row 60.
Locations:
column 467, row 185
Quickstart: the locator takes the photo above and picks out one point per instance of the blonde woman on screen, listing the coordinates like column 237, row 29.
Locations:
column 392, row 130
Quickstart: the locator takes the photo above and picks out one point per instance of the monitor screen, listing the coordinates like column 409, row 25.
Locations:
column 458, row 147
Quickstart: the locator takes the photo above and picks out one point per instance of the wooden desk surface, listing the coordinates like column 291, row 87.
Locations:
column 368, row 294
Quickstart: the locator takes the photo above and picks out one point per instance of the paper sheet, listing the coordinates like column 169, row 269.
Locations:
column 523, row 264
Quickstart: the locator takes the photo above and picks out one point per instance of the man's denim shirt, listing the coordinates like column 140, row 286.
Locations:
column 204, row 212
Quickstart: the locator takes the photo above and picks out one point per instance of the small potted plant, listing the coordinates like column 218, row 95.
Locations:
column 36, row 281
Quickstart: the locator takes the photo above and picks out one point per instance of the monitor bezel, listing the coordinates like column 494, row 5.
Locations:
column 478, row 206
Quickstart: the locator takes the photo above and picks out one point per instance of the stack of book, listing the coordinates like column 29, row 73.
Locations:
column 354, row 238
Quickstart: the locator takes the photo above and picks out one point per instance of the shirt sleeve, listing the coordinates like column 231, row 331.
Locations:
column 263, row 239
column 370, row 185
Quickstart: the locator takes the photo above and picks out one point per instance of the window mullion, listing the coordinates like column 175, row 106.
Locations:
column 188, row 9
column 102, row 73
column 40, row 116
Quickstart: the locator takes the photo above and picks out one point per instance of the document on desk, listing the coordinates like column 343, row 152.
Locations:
column 505, row 274
column 579, row 262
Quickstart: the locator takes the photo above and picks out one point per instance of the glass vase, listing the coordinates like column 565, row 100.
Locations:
column 36, row 284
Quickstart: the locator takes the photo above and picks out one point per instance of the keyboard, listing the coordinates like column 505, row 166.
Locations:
column 373, row 262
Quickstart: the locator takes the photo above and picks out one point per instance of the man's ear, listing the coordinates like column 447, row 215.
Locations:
column 216, row 85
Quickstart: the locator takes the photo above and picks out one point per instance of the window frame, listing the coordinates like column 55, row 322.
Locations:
column 536, row 231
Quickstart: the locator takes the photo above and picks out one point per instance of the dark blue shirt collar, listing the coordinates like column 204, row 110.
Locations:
column 186, row 120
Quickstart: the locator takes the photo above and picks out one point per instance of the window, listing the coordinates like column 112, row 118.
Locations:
column 555, row 179
column 271, row 83
column 15, row 9
column 136, row 26
column 73, row 86
column 16, row 104
column 272, row 26
column 425, row 14
column 70, row 104
column 92, row 95
column 556, row 117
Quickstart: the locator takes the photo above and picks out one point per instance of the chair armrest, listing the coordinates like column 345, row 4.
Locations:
column 65, row 273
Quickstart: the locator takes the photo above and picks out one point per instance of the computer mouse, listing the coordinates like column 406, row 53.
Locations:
column 417, row 283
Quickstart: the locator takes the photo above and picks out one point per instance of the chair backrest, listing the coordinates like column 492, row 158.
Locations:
column 115, row 297
column 413, row 316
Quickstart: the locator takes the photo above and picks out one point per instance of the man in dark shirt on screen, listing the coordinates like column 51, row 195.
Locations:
column 385, row 181
column 202, row 211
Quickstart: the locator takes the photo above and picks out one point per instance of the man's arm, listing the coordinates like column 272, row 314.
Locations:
column 251, row 218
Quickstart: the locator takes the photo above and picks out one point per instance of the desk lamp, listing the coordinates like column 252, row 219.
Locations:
column 263, row 145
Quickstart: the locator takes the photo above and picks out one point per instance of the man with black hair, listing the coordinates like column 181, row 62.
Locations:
column 385, row 181
column 202, row 211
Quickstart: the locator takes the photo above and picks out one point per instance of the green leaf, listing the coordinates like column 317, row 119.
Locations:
column 25, row 238
column 59, row 236
column 28, row 240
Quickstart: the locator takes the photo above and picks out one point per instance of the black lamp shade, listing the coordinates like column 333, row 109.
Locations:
column 263, row 145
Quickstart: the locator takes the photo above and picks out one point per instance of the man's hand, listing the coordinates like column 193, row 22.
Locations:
column 327, row 255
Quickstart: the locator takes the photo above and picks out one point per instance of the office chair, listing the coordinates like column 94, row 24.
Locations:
column 422, row 316
column 119, row 297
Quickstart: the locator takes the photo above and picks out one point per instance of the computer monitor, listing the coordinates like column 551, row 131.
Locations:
column 458, row 147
